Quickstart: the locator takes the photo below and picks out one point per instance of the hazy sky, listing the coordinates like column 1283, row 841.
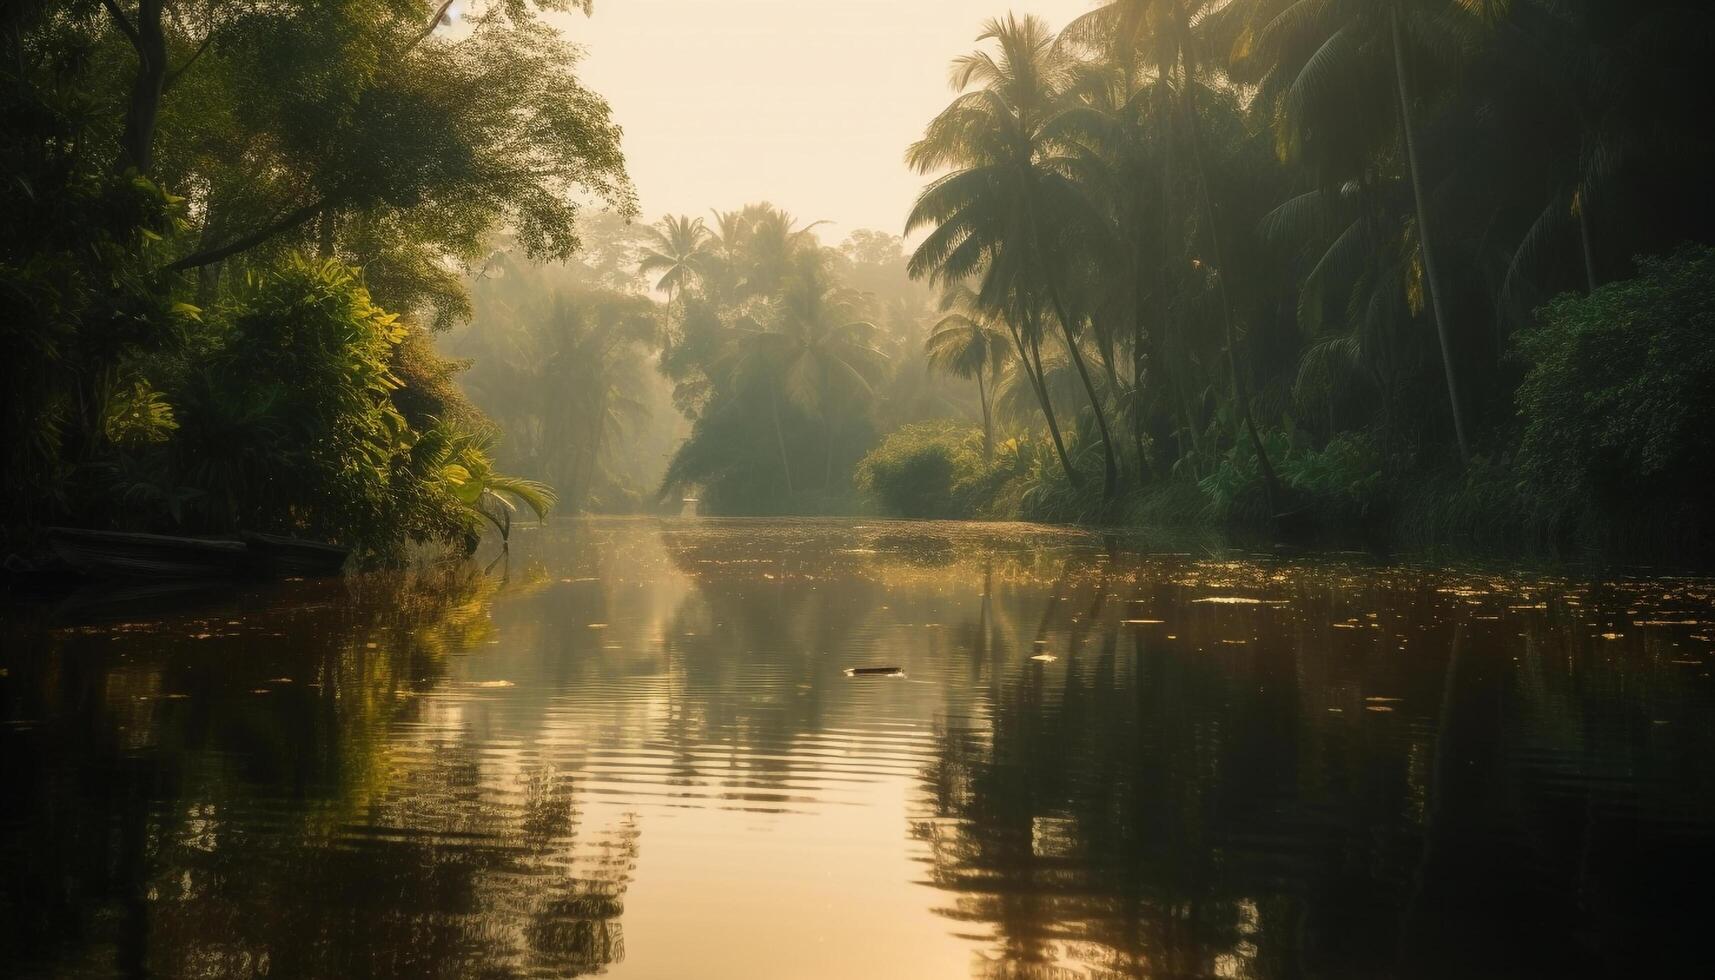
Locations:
column 809, row 104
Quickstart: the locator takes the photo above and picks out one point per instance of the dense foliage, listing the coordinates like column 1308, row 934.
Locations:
column 177, row 361
column 1265, row 261
column 926, row 470
column 1278, row 250
column 1620, row 397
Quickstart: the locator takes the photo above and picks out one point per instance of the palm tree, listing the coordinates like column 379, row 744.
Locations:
column 967, row 343
column 814, row 352
column 774, row 244
column 679, row 252
column 1008, row 208
column 726, row 243
column 1129, row 136
column 1312, row 54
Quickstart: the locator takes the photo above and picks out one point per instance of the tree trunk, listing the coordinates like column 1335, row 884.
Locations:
column 1110, row 466
column 1140, row 365
column 149, row 39
column 828, row 460
column 988, row 420
column 1193, row 427
column 1423, row 238
column 780, row 441
column 1073, row 477
column 1172, row 252
column 325, row 234
column 1582, row 203
column 1241, row 393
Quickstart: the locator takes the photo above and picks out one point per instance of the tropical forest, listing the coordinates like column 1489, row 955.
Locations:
column 1086, row 490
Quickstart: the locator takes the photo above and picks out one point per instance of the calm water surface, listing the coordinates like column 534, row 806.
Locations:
column 631, row 748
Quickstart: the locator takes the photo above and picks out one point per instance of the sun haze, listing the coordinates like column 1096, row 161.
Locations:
column 809, row 104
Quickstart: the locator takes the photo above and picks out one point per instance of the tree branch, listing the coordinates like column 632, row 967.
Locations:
column 123, row 23
column 174, row 77
column 429, row 28
column 287, row 222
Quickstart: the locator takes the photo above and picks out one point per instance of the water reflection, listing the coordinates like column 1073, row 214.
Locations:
column 270, row 788
column 1105, row 760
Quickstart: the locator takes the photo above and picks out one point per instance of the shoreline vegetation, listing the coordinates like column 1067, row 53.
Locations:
column 1415, row 272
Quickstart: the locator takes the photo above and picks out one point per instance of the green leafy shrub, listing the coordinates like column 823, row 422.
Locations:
column 1339, row 482
column 292, row 424
column 1235, row 487
column 935, row 470
column 917, row 471
column 1619, row 399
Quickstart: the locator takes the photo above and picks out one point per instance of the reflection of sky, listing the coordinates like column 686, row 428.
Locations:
column 767, row 848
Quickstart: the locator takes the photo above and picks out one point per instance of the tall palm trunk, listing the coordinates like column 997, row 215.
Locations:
column 1241, row 393
column 780, row 441
column 1409, row 135
column 1110, row 466
column 1040, row 386
column 828, row 436
column 1172, row 247
column 1140, row 365
column 988, row 420
column 1581, row 204
column 1193, row 426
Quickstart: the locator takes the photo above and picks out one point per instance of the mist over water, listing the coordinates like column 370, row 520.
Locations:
column 631, row 748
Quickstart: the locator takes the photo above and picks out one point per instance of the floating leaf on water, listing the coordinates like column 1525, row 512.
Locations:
column 1230, row 600
column 595, row 626
column 1378, row 699
column 1143, row 622
column 1378, row 708
column 1612, row 636
column 493, row 683
column 1045, row 658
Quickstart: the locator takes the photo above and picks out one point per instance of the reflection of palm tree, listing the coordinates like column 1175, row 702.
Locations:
column 967, row 343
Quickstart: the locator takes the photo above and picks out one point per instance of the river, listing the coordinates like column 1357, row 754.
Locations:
column 631, row 747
